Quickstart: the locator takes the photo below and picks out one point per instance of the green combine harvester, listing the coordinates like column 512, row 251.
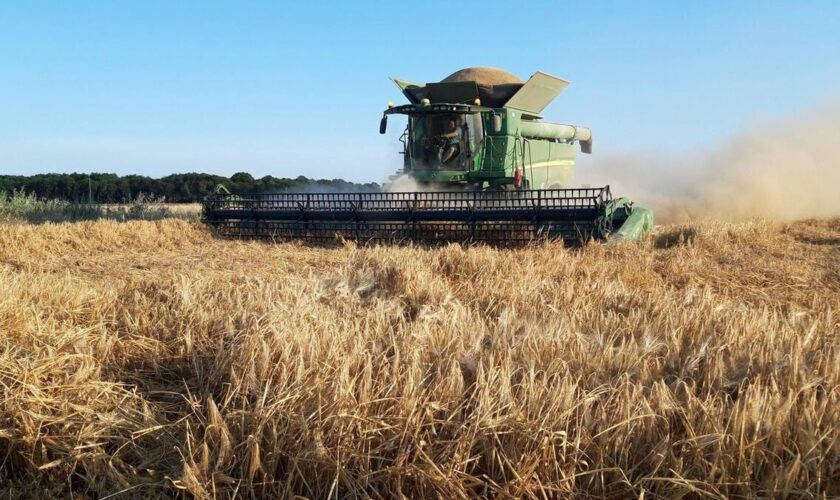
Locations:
column 479, row 165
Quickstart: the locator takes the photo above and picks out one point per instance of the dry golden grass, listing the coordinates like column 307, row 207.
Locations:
column 151, row 359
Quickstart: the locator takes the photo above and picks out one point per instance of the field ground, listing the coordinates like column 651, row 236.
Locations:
column 188, row 210
column 20, row 206
column 149, row 358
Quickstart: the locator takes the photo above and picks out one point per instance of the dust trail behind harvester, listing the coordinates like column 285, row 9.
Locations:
column 785, row 169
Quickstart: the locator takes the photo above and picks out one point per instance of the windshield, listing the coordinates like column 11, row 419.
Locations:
column 446, row 140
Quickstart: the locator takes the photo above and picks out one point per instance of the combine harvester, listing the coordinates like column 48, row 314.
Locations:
column 482, row 168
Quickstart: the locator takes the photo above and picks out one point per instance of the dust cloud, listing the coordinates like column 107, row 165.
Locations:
column 407, row 184
column 784, row 169
column 402, row 184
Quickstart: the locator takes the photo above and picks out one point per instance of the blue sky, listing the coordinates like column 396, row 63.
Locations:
column 160, row 87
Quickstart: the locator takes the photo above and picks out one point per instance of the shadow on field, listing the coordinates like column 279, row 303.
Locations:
column 338, row 241
column 675, row 237
column 816, row 232
column 819, row 241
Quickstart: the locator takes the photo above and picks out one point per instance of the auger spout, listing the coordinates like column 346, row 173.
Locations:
column 556, row 132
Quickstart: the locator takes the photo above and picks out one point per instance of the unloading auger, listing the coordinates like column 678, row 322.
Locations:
column 485, row 167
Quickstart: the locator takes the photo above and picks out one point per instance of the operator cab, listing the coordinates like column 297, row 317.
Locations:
column 443, row 141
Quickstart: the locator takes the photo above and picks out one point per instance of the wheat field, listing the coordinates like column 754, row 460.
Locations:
column 150, row 359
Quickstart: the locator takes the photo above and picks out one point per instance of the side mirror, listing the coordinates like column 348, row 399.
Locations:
column 383, row 125
column 497, row 122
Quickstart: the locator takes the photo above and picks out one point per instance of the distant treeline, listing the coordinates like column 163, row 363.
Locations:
column 176, row 188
